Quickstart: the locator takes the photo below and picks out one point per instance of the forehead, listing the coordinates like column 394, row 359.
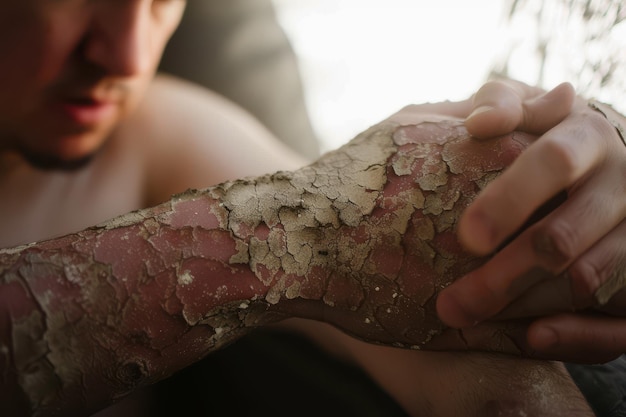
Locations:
column 37, row 7
column 22, row 17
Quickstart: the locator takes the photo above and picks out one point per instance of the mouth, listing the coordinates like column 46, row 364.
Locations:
column 86, row 111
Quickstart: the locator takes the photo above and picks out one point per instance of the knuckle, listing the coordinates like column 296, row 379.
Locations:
column 489, row 87
column 588, row 276
column 495, row 92
column 600, row 127
column 563, row 160
column 529, row 118
column 609, row 278
column 555, row 245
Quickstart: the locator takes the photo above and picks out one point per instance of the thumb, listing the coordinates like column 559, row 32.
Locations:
column 503, row 106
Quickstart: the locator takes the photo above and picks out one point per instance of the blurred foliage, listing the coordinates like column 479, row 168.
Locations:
column 584, row 39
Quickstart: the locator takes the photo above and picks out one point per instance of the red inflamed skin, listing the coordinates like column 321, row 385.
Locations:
column 364, row 239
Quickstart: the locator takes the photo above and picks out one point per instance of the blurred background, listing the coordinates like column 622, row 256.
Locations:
column 358, row 61
column 362, row 60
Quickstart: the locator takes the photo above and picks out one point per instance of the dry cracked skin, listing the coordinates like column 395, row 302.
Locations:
column 363, row 239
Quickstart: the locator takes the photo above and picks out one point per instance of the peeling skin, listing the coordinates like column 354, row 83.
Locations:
column 364, row 239
column 614, row 284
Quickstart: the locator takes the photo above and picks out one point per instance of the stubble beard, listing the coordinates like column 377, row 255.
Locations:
column 49, row 162
column 46, row 160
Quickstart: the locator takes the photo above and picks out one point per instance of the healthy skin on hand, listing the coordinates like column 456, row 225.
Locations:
column 555, row 266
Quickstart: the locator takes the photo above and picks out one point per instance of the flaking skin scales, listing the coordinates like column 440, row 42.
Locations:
column 363, row 239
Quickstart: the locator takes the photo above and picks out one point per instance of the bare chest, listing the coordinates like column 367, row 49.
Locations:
column 39, row 205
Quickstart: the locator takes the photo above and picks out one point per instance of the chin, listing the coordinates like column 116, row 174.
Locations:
column 52, row 162
column 70, row 154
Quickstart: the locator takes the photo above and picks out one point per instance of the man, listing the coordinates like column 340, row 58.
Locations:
column 87, row 134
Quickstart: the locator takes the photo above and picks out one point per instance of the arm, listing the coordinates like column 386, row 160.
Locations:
column 363, row 239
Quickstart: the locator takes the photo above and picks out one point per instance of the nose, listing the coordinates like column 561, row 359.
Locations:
column 119, row 39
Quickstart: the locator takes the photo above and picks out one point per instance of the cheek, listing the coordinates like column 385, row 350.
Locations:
column 160, row 33
column 34, row 55
column 21, row 52
column 22, row 63
column 166, row 24
column 37, row 52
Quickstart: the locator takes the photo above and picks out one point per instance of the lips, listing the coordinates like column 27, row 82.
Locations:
column 86, row 111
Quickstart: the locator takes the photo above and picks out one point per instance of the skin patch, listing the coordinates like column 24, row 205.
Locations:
column 364, row 239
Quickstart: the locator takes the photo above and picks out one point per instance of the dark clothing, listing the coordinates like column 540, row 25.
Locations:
column 273, row 374
column 604, row 386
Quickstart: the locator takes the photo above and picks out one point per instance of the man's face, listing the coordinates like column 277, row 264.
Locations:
column 71, row 70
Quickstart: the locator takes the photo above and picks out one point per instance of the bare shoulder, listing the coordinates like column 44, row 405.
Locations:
column 193, row 138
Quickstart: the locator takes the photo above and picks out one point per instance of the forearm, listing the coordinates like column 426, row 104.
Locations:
column 363, row 239
column 93, row 315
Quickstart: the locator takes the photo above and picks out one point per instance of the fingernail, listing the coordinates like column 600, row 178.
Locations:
column 545, row 338
column 453, row 313
column 479, row 110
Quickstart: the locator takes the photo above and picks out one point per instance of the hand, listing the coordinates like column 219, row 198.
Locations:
column 593, row 337
column 499, row 107
column 580, row 153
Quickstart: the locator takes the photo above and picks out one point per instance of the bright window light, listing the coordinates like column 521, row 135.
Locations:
column 362, row 60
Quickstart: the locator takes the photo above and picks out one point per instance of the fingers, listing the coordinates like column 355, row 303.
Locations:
column 551, row 295
column 583, row 156
column 601, row 272
column 580, row 235
column 553, row 163
column 500, row 107
column 579, row 338
column 486, row 291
